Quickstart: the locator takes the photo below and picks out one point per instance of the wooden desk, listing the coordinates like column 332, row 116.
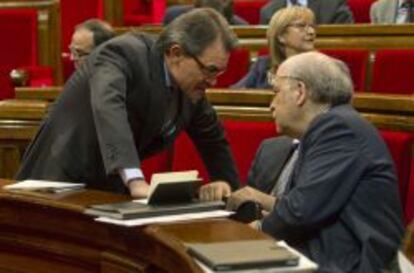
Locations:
column 49, row 233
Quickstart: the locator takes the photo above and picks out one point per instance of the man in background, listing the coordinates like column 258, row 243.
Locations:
column 392, row 12
column 326, row 12
column 87, row 36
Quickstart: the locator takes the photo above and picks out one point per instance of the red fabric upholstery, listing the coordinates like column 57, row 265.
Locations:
column 409, row 202
column 399, row 144
column 244, row 138
column 392, row 71
column 356, row 60
column 249, row 10
column 19, row 28
column 360, row 10
column 6, row 85
column 39, row 75
column 74, row 12
column 139, row 12
column 237, row 67
column 156, row 164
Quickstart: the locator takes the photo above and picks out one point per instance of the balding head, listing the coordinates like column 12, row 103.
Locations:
column 327, row 79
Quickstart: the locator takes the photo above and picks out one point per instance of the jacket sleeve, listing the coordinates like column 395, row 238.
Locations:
column 342, row 13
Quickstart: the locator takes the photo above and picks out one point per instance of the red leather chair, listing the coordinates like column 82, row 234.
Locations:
column 140, row 12
column 249, row 10
column 156, row 164
column 392, row 71
column 237, row 67
column 356, row 60
column 360, row 9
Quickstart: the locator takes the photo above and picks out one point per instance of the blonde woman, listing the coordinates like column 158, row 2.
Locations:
column 291, row 31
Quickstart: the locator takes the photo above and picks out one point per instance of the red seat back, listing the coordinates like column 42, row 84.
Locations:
column 360, row 9
column 156, row 164
column 139, row 12
column 237, row 67
column 6, row 86
column 392, row 71
column 356, row 60
column 249, row 10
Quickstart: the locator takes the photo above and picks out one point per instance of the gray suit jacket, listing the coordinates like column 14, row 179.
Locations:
column 384, row 11
column 110, row 115
column 326, row 11
column 341, row 207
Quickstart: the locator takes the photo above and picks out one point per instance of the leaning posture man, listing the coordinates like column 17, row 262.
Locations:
column 340, row 205
column 129, row 100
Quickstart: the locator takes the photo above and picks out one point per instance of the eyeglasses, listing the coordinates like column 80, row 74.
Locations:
column 77, row 53
column 210, row 71
column 303, row 26
column 272, row 80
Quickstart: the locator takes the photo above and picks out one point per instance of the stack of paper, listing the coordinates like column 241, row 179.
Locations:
column 44, row 186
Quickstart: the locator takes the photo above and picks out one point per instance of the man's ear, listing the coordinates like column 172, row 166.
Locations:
column 175, row 52
column 302, row 94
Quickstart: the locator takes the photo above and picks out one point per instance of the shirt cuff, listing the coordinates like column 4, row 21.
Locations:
column 128, row 174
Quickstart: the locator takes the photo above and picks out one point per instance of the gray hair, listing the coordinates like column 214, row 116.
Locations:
column 194, row 31
column 101, row 30
column 327, row 79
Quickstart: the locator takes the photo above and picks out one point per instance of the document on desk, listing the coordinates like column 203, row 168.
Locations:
column 305, row 265
column 166, row 218
column 44, row 186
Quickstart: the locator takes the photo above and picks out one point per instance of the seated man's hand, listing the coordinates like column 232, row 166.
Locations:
column 214, row 191
column 250, row 194
column 138, row 188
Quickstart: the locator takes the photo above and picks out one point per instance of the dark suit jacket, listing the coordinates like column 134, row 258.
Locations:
column 257, row 75
column 342, row 207
column 175, row 11
column 268, row 163
column 110, row 116
column 326, row 12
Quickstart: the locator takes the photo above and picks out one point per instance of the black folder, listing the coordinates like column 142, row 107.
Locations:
column 239, row 255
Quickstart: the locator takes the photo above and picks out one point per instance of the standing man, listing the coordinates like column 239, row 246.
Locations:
column 129, row 100
column 340, row 206
column 87, row 36
column 326, row 12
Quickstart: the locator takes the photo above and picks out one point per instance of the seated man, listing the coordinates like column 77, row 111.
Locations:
column 340, row 206
column 87, row 36
column 326, row 12
column 392, row 11
column 225, row 7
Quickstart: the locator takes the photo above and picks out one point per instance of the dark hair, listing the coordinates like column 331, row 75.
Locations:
column 102, row 31
column 196, row 30
column 225, row 7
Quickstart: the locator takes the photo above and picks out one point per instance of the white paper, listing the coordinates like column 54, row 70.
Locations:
column 43, row 185
column 167, row 218
column 405, row 265
column 305, row 265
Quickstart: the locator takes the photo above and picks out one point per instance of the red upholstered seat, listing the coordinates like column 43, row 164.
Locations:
column 249, row 10
column 360, row 10
column 392, row 71
column 18, row 27
column 237, row 67
column 356, row 60
column 400, row 145
column 244, row 138
column 139, row 12
column 6, row 85
column 156, row 164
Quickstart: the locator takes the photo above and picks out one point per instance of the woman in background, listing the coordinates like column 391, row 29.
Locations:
column 291, row 31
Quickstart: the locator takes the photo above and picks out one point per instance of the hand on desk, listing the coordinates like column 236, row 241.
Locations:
column 138, row 188
column 250, row 194
column 214, row 191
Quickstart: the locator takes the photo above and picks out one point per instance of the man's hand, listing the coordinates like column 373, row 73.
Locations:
column 138, row 188
column 250, row 194
column 214, row 191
